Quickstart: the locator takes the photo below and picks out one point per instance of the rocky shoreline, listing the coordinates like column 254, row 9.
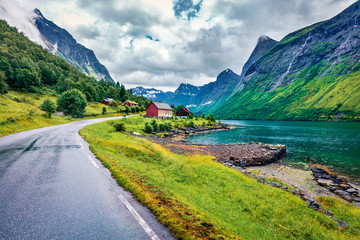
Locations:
column 239, row 154
column 336, row 184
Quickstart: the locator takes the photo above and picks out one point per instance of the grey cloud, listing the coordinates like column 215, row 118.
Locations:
column 89, row 32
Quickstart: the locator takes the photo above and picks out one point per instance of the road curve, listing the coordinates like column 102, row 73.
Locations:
column 53, row 187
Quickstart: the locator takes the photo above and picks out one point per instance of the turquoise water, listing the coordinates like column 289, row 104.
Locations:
column 335, row 144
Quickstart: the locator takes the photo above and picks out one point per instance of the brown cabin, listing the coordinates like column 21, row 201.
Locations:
column 183, row 113
column 159, row 110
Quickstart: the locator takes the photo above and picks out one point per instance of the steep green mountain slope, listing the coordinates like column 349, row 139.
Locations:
column 311, row 74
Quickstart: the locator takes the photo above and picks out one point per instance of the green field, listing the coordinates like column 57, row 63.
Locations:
column 21, row 111
column 198, row 198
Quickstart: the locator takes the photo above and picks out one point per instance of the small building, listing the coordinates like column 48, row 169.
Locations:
column 130, row 103
column 107, row 101
column 159, row 110
column 183, row 113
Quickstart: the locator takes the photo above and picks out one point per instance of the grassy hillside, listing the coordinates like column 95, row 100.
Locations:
column 322, row 98
column 198, row 198
column 21, row 111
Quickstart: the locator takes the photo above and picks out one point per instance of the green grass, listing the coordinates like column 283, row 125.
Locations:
column 198, row 198
column 20, row 112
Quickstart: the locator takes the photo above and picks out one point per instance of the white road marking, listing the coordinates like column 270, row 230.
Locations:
column 140, row 220
column 93, row 162
column 82, row 146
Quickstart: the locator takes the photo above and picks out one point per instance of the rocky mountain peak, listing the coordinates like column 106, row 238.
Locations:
column 38, row 12
column 263, row 38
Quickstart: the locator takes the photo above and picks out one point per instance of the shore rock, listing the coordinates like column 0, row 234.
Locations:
column 335, row 184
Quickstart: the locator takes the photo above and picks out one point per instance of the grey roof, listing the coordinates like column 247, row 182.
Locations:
column 162, row 106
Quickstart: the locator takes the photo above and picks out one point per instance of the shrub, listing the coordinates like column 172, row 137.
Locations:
column 137, row 109
column 127, row 110
column 73, row 103
column 114, row 103
column 154, row 125
column 148, row 128
column 48, row 106
column 191, row 124
column 133, row 110
column 203, row 124
column 190, row 116
column 168, row 126
column 119, row 127
column 104, row 110
column 209, row 123
column 161, row 127
column 210, row 118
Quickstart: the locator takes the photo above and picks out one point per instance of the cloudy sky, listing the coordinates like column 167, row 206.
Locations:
column 162, row 43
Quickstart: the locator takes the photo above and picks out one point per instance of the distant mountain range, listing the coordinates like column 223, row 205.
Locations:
column 151, row 93
column 311, row 74
column 59, row 41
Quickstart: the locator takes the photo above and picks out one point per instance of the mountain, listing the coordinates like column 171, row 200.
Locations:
column 311, row 74
column 183, row 95
column 263, row 45
column 215, row 93
column 60, row 42
column 151, row 93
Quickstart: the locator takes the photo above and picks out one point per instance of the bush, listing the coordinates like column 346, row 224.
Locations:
column 168, row 126
column 154, row 125
column 133, row 110
column 190, row 116
column 104, row 110
column 119, row 127
column 209, row 123
column 114, row 104
column 191, row 124
column 127, row 110
column 161, row 127
column 73, row 103
column 48, row 106
column 210, row 118
column 148, row 128
column 203, row 124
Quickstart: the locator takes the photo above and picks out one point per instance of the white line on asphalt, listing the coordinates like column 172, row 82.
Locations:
column 140, row 220
column 93, row 162
column 82, row 146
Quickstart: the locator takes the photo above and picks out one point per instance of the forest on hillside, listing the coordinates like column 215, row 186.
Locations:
column 27, row 67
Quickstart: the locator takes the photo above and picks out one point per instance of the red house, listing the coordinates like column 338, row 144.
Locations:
column 159, row 110
column 183, row 113
column 107, row 101
column 130, row 103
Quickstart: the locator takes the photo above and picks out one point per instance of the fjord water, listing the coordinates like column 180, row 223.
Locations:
column 335, row 144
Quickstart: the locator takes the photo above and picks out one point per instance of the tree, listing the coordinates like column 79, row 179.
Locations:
column 73, row 103
column 48, row 106
column 210, row 118
column 190, row 116
column 3, row 85
column 104, row 110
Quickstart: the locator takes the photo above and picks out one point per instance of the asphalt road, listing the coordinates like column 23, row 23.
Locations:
column 53, row 187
